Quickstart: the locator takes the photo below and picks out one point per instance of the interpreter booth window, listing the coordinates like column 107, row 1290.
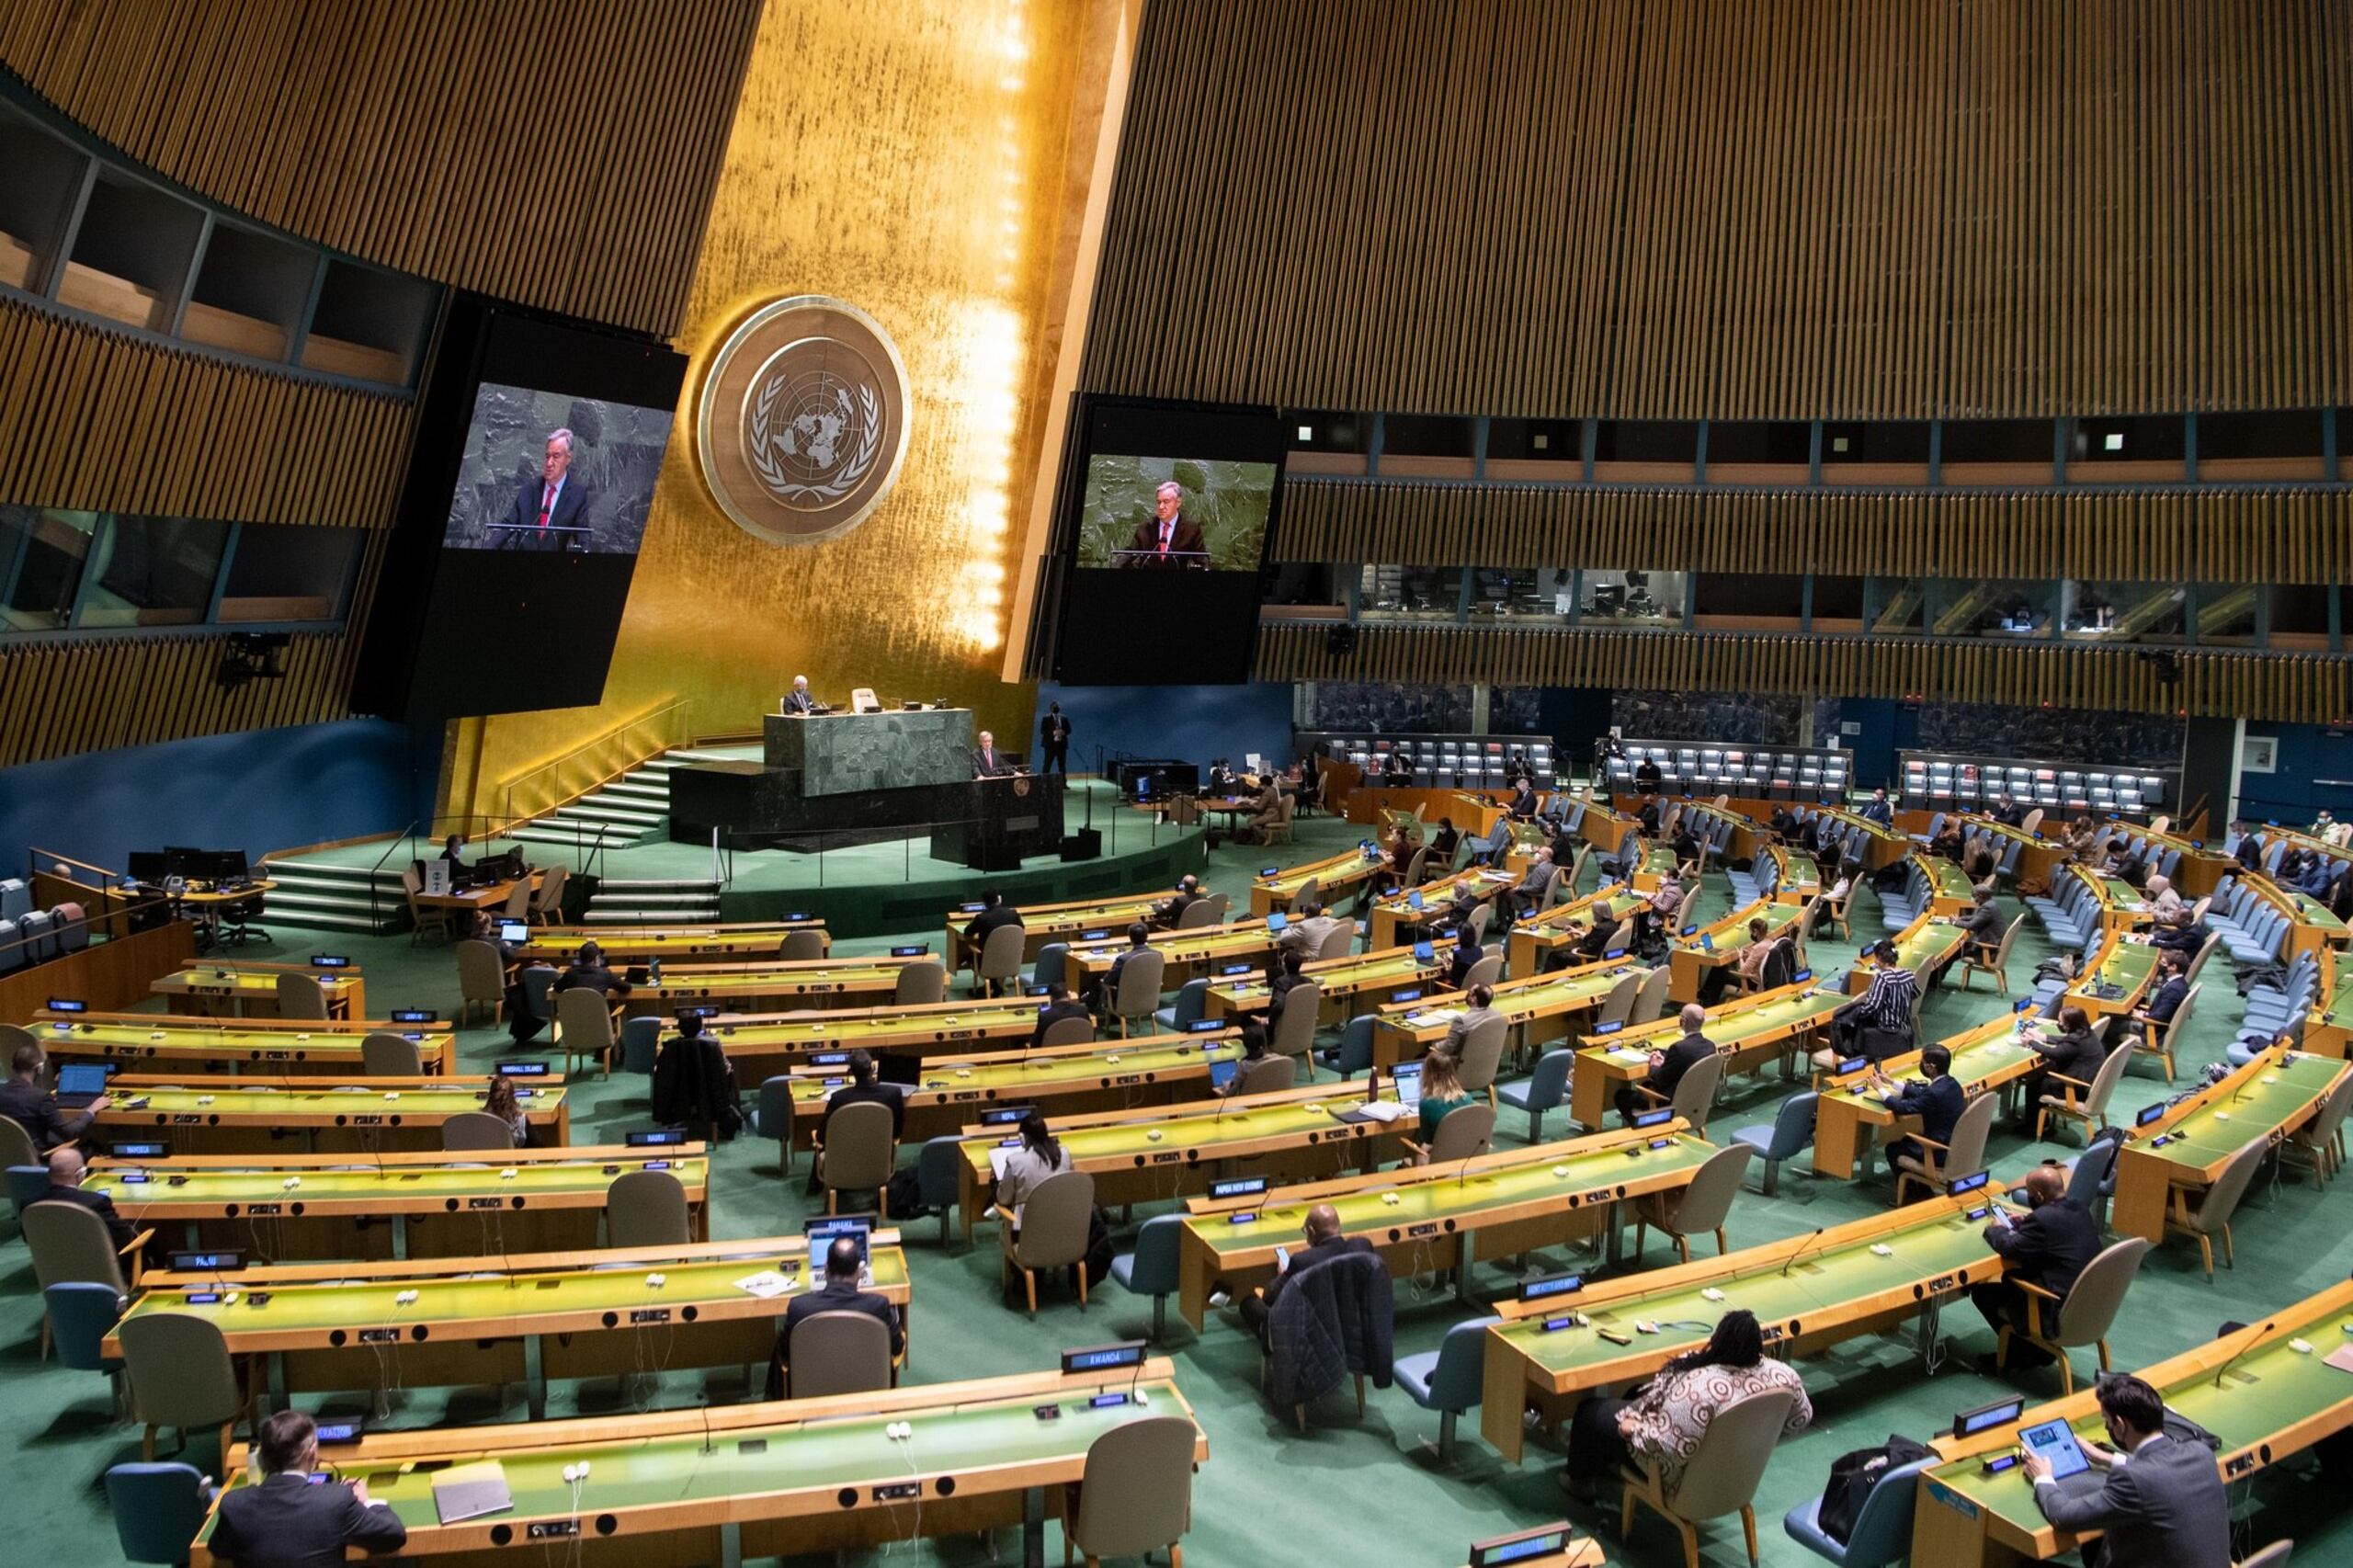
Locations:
column 2299, row 617
column 1410, row 592
column 152, row 572
column 2121, row 612
column 1521, row 592
column 287, row 574
column 1896, row 606
column 2227, row 614
column 42, row 554
column 1745, row 601
column 2012, row 610
column 1645, row 599
column 1837, row 606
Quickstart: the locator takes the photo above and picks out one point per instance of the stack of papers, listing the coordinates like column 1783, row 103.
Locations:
column 767, row 1284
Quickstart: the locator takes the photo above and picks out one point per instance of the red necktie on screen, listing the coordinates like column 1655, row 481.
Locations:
column 547, row 503
column 1166, row 530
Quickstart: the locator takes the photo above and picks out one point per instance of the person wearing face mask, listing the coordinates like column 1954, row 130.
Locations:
column 2161, row 1501
column 2049, row 1249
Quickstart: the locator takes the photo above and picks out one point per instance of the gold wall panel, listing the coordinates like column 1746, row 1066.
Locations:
column 2311, row 688
column 911, row 157
column 1736, row 209
column 129, row 691
column 561, row 155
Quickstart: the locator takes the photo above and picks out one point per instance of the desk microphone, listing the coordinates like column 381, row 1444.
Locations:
column 2238, row 1355
column 1792, row 1260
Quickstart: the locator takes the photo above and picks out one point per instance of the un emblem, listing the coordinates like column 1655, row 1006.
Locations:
column 803, row 420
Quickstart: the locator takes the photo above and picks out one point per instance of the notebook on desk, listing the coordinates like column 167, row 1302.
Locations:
column 471, row 1491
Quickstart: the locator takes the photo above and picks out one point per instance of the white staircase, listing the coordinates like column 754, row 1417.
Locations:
column 679, row 902
column 334, row 898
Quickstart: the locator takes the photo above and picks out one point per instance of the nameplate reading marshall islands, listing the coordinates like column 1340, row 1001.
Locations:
column 803, row 420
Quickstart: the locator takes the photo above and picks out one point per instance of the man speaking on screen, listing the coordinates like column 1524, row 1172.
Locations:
column 552, row 511
column 1169, row 538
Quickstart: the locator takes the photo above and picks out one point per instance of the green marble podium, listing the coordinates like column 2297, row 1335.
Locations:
column 843, row 754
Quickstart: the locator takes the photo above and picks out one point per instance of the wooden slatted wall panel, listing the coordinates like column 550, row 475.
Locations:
column 2308, row 688
column 55, row 702
column 98, row 421
column 2289, row 536
column 562, row 155
column 1736, row 209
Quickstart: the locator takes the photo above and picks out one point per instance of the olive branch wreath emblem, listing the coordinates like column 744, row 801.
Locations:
column 783, row 484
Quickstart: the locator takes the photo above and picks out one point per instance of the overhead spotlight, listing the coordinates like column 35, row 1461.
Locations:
column 252, row 655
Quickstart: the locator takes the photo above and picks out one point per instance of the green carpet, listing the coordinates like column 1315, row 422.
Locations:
column 1269, row 1495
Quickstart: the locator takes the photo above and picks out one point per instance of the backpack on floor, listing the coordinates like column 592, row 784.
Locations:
column 1852, row 1477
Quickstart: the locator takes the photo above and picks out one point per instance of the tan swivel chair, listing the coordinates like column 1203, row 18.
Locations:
column 1481, row 917
column 1416, row 866
column 422, row 917
column 2211, row 1213
column 180, row 1375
column 1835, row 908
column 1486, row 971
column 999, row 960
column 2086, row 1314
column 646, row 1208
column 1616, row 1005
column 801, row 946
column 2082, row 1104
column 584, row 1027
column 519, row 901
column 1279, row 829
column 13, row 1036
column 1294, row 1032
column 1699, row 1207
column 1650, row 1002
column 1199, row 915
column 1139, row 992
column 387, row 1055
column 838, row 1352
column 1683, row 910
column 1136, row 1495
column 1268, row 1075
column 2275, row 1555
column 1070, row 1031
column 1721, row 1477
column 481, row 980
column 71, row 1245
column 1337, row 943
column 1462, row 1134
column 302, row 997
column 1695, row 1091
column 857, row 1152
column 1054, row 1221
column 2031, row 821
column 477, row 1130
column 1941, row 1163
column 2157, row 1040
column 17, row 1146
column 921, row 982
column 1996, row 963
column 2205, row 949
column 1222, row 905
column 1483, row 1056
column 547, row 904
column 2320, row 1142
column 1309, row 892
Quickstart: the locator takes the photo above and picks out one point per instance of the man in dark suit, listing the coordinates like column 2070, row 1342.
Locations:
column 995, row 914
column 2048, row 1249
column 1054, row 741
column 2180, row 935
column 1060, row 1005
column 1166, row 914
column 987, row 761
column 840, row 1294
column 1169, row 538
column 863, row 1088
column 2076, row 1054
column 1139, row 941
column 2167, row 996
column 2165, row 1508
column 285, row 1522
column 1937, row 1100
column 34, row 1108
column 1324, row 1243
column 1467, row 957
column 549, row 503
column 1668, row 1066
column 65, row 1170
column 589, row 973
column 1648, row 781
column 1880, row 809
column 797, row 699
column 1985, row 925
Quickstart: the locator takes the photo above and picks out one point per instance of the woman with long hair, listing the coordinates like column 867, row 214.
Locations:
column 1040, row 1156
column 1665, row 1420
column 1442, row 1090
column 500, row 1103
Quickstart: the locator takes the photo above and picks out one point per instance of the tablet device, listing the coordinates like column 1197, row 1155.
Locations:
column 2055, row 1441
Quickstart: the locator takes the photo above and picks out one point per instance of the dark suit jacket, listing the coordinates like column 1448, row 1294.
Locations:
column 2076, row 1056
column 37, row 1111
column 991, row 764
column 1985, row 926
column 1938, row 1102
column 1054, row 1013
column 2168, row 999
column 1680, row 1058
column 878, row 1094
column 2163, row 1508
column 839, row 1296
column 99, row 1203
column 1467, row 954
column 988, row 920
column 571, row 512
column 286, row 1522
column 1647, row 777
column 1523, row 804
column 1187, row 537
column 1880, row 812
column 1052, row 727
column 1304, row 1258
column 592, row 977
column 2049, row 1247
column 799, row 702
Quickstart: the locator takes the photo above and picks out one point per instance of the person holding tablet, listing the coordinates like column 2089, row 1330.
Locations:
column 2161, row 1503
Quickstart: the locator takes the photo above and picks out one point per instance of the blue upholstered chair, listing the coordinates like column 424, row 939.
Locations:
column 1192, row 1001
column 1354, row 1053
column 1152, row 1269
column 157, row 1509
column 1790, row 1134
column 1882, row 1533
column 1544, row 1089
column 1447, row 1380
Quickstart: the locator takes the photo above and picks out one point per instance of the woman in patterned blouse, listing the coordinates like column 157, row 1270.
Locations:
column 1664, row 1421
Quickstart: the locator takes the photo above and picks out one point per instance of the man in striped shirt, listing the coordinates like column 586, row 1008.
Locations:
column 1886, row 1007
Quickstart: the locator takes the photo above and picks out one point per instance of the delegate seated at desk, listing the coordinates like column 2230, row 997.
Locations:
column 550, row 512
column 987, row 761
column 797, row 699
column 2162, row 1501
column 840, row 1294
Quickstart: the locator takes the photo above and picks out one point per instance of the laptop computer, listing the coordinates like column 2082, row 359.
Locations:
column 79, row 1082
column 1407, row 1076
column 1275, row 921
column 824, row 1232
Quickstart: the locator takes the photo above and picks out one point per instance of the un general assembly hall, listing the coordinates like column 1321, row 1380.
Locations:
column 1428, row 783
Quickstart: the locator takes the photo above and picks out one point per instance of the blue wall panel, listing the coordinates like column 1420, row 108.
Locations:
column 1190, row 723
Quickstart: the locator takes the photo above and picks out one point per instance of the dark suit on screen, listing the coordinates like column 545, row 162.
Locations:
column 1186, row 546
column 571, row 512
